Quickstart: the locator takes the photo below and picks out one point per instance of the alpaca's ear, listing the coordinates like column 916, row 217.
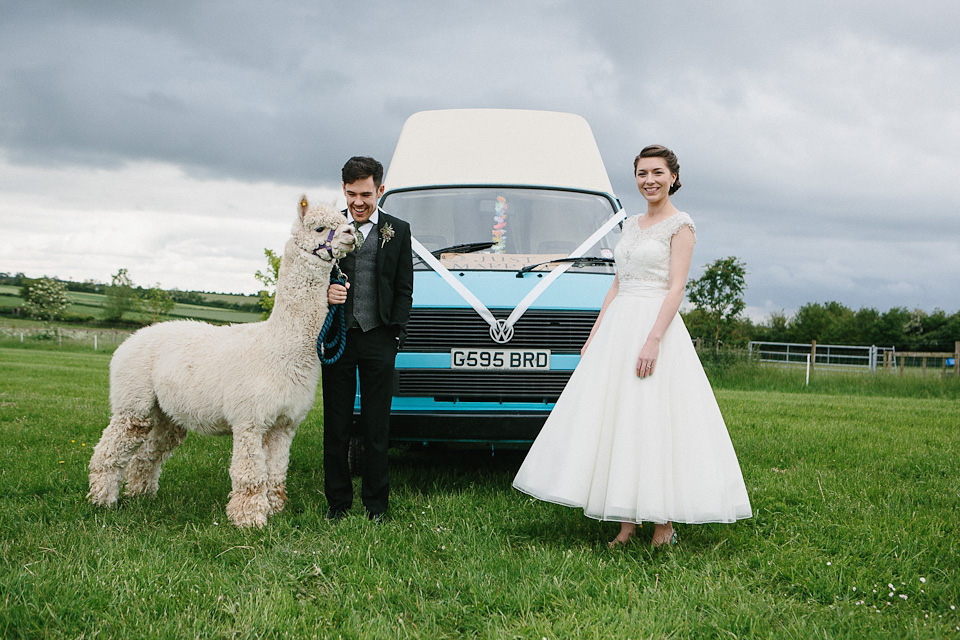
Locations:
column 303, row 206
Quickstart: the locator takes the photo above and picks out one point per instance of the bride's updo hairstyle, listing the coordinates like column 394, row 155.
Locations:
column 660, row 151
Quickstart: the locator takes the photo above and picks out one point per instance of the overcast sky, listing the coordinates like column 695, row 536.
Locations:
column 819, row 142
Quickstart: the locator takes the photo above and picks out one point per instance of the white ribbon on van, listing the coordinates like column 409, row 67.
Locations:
column 448, row 277
column 533, row 294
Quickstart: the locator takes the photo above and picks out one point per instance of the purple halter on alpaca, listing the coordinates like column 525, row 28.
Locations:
column 326, row 244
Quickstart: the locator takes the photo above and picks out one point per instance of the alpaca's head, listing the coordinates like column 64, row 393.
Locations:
column 322, row 231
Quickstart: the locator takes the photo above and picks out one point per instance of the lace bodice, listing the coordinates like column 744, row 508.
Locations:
column 643, row 255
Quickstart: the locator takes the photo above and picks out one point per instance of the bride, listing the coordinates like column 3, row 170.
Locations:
column 637, row 434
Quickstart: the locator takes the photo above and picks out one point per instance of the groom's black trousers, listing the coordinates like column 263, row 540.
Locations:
column 373, row 354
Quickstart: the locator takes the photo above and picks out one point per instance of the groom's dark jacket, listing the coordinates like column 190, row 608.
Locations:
column 394, row 273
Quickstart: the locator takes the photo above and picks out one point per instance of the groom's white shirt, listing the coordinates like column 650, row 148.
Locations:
column 367, row 227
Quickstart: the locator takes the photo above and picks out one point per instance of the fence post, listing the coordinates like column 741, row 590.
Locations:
column 813, row 355
column 94, row 342
column 903, row 362
column 873, row 358
column 956, row 358
column 697, row 346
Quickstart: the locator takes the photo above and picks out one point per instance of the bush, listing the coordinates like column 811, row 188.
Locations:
column 45, row 299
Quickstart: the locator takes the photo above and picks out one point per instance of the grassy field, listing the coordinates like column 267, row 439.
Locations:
column 855, row 490
column 232, row 298
column 212, row 314
column 751, row 377
column 83, row 303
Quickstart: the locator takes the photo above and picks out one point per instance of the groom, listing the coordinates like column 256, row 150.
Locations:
column 377, row 302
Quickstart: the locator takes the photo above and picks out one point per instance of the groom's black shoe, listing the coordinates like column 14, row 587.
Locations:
column 376, row 518
column 336, row 514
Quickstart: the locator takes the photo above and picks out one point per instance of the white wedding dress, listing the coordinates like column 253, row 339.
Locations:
column 639, row 450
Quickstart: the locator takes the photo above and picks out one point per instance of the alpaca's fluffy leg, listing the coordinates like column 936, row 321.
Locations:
column 120, row 440
column 276, row 443
column 248, row 504
column 143, row 472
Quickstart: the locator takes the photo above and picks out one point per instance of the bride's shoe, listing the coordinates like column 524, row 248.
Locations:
column 673, row 540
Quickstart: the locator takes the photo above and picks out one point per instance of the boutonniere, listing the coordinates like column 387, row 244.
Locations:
column 386, row 234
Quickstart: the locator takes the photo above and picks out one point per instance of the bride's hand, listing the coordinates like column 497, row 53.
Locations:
column 648, row 357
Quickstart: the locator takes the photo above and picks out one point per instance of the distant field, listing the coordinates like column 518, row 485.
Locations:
column 91, row 304
column 231, row 298
column 213, row 314
column 86, row 299
column 10, row 297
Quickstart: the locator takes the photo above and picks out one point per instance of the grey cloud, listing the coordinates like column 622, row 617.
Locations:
column 792, row 122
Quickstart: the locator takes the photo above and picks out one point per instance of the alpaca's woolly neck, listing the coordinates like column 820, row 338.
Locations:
column 300, row 307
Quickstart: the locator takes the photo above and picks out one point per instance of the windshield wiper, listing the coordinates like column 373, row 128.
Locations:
column 586, row 260
column 467, row 247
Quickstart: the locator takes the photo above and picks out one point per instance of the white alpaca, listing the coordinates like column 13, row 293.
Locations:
column 256, row 381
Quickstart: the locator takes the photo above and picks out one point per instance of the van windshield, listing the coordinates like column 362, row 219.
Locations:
column 525, row 226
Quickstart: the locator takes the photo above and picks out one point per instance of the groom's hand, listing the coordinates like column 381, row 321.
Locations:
column 337, row 293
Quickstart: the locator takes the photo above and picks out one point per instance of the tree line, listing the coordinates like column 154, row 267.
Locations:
column 717, row 317
column 835, row 323
column 46, row 299
column 140, row 293
column 718, row 321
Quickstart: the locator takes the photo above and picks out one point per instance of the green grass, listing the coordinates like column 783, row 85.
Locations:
column 753, row 377
column 11, row 299
column 84, row 303
column 106, row 345
column 851, row 492
column 213, row 314
column 232, row 298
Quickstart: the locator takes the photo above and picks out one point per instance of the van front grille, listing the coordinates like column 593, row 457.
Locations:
column 449, row 385
column 439, row 330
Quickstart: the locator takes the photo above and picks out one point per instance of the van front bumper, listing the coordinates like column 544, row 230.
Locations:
column 501, row 428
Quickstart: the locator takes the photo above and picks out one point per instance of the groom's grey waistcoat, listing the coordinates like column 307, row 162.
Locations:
column 365, row 301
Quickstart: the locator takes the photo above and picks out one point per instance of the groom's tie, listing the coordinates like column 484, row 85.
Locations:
column 359, row 235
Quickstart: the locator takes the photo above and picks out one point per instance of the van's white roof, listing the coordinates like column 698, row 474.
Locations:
column 497, row 146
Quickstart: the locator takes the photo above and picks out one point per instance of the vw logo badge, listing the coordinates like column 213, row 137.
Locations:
column 501, row 332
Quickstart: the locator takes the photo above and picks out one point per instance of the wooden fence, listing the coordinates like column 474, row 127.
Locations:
column 949, row 362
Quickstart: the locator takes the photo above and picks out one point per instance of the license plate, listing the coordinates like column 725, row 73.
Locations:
column 500, row 359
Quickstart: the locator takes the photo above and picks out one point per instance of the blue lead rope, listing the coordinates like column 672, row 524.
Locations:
column 333, row 335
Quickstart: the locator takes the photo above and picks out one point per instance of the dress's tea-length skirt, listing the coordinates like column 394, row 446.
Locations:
column 639, row 450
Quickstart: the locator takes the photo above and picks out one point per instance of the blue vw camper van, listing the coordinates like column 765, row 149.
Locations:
column 514, row 223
